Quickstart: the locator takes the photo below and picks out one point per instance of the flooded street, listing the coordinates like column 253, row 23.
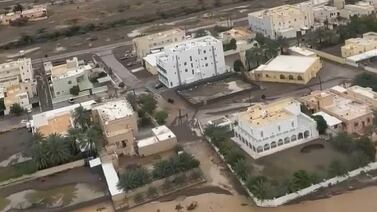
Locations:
column 360, row 200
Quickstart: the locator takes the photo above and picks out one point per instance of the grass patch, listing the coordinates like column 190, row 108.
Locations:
column 3, row 203
column 17, row 170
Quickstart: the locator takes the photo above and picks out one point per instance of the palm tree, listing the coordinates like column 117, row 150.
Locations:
column 90, row 141
column 39, row 155
column 57, row 149
column 81, row 117
column 301, row 179
column 75, row 135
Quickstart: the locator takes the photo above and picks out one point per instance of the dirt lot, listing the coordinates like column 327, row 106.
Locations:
column 13, row 142
column 141, row 13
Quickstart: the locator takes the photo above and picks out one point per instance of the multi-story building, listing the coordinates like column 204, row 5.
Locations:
column 143, row 45
column 65, row 76
column 356, row 117
column 283, row 21
column 288, row 69
column 238, row 34
column 163, row 140
column 118, row 122
column 190, row 61
column 355, row 46
column 268, row 128
column 16, row 95
column 326, row 13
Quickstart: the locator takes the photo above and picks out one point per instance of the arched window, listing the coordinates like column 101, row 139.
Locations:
column 266, row 147
column 299, row 77
column 282, row 76
column 260, row 149
column 286, row 140
column 280, row 142
column 290, row 77
column 300, row 136
column 273, row 144
column 306, row 134
column 293, row 138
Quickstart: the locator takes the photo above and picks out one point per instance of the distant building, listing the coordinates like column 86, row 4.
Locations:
column 150, row 62
column 358, row 9
column 355, row 46
column 65, row 76
column 33, row 14
column 143, row 45
column 288, row 69
column 237, row 33
column 265, row 129
column 58, row 120
column 326, row 13
column 163, row 139
column 16, row 95
column 282, row 21
column 299, row 51
column 356, row 117
column 189, row 61
column 118, row 122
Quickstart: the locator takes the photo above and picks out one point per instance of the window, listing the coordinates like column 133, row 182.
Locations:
column 356, row 124
column 293, row 124
column 192, row 71
column 184, row 63
column 190, row 58
column 186, row 70
column 69, row 82
column 204, row 51
column 279, row 127
column 206, row 64
column 261, row 134
column 205, row 58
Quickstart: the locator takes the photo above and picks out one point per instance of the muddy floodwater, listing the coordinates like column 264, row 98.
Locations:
column 363, row 200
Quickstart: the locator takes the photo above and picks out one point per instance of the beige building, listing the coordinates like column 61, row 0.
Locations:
column 163, row 139
column 118, row 122
column 358, row 9
column 355, row 116
column 355, row 46
column 16, row 95
column 237, row 33
column 144, row 45
column 288, row 69
column 33, row 14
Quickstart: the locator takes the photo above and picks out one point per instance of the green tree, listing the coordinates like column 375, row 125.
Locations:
column 301, row 179
column 231, row 45
column 134, row 178
column 18, row 8
column 148, row 103
column 161, row 117
column 75, row 135
column 16, row 109
column 81, row 117
column 75, row 90
column 39, row 155
column 241, row 169
column 57, row 149
column 200, row 33
column 238, row 66
column 337, row 168
column 366, row 80
column 258, row 186
column 90, row 141
column 365, row 145
column 321, row 124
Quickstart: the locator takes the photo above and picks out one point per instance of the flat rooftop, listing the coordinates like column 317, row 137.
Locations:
column 280, row 11
column 63, row 71
column 59, row 124
column 163, row 133
column 288, row 63
column 264, row 114
column 196, row 42
column 330, row 120
column 113, row 110
column 366, row 92
column 159, row 35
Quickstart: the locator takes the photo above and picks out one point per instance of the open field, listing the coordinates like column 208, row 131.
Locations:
column 117, row 20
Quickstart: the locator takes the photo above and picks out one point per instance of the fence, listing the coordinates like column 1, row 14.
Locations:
column 300, row 193
column 43, row 173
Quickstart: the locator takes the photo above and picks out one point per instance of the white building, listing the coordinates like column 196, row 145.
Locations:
column 16, row 73
column 283, row 21
column 268, row 128
column 323, row 13
column 65, row 76
column 163, row 140
column 358, row 9
column 334, row 125
column 190, row 61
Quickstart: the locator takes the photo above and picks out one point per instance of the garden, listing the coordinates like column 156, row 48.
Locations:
column 293, row 169
column 167, row 176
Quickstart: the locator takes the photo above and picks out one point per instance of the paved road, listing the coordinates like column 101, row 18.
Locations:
column 43, row 91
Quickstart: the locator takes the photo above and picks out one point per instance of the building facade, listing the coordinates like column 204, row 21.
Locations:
column 283, row 21
column 356, row 117
column 163, row 140
column 65, row 76
column 189, row 61
column 288, row 69
column 358, row 9
column 265, row 129
column 355, row 46
column 33, row 14
column 143, row 45
column 118, row 122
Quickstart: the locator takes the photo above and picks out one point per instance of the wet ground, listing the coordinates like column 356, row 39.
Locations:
column 14, row 141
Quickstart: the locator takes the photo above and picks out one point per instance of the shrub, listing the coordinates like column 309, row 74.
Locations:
column 161, row 117
column 321, row 124
column 134, row 178
column 195, row 175
column 16, row 109
column 139, row 197
column 152, row 192
column 75, row 90
column 180, row 163
column 148, row 103
column 180, row 179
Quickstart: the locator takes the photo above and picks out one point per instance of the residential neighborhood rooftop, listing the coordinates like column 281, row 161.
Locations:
column 113, row 110
column 59, row 124
column 288, row 63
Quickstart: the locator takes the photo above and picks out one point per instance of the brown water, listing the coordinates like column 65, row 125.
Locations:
column 363, row 200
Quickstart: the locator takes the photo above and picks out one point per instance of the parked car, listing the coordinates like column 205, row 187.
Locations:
column 159, row 85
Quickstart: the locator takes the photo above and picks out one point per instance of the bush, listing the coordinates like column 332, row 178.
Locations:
column 161, row 117
column 139, row 197
column 231, row 45
column 180, row 179
column 321, row 124
column 238, row 66
column 167, row 185
column 75, row 90
column 152, row 192
column 148, row 103
column 134, row 178
column 180, row 163
column 196, row 174
column 16, row 109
